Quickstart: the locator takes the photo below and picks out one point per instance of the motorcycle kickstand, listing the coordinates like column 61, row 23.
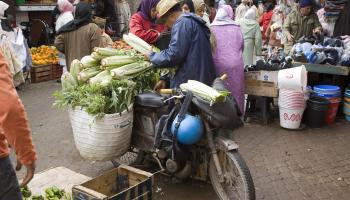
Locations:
column 214, row 152
column 159, row 163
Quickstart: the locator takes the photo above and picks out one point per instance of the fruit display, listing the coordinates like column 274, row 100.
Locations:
column 44, row 55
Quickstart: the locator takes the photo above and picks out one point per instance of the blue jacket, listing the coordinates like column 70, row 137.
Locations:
column 189, row 50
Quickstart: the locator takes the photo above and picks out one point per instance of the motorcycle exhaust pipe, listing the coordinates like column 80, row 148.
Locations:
column 184, row 172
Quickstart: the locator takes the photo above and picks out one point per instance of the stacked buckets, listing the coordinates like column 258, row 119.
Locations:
column 292, row 105
column 292, row 96
column 347, row 104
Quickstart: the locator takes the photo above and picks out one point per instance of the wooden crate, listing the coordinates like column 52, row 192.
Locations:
column 57, row 71
column 41, row 73
column 122, row 183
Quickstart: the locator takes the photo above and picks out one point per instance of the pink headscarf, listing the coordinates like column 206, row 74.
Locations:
column 224, row 16
column 65, row 6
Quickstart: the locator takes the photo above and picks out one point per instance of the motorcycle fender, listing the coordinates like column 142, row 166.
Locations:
column 225, row 144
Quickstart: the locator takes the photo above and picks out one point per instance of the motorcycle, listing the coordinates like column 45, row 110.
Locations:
column 214, row 157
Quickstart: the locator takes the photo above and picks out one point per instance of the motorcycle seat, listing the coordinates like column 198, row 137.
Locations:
column 149, row 99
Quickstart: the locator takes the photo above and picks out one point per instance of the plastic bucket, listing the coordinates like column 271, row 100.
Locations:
column 293, row 78
column 328, row 91
column 291, row 99
column 347, row 117
column 291, row 118
column 332, row 110
column 316, row 111
column 346, row 110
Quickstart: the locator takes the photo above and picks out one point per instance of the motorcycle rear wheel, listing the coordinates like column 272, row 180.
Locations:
column 238, row 184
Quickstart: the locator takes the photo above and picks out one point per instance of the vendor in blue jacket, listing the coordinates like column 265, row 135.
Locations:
column 189, row 49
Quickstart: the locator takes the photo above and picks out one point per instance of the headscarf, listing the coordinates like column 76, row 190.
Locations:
column 224, row 16
column 5, row 24
column 83, row 16
column 197, row 4
column 250, row 14
column 305, row 3
column 65, row 6
column 190, row 5
column 145, row 8
column 3, row 7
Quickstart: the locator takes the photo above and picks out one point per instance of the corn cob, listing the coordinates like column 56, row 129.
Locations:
column 99, row 77
column 75, row 68
column 84, row 75
column 116, row 61
column 68, row 81
column 108, row 51
column 203, row 91
column 88, row 61
column 131, row 70
column 137, row 43
column 97, row 56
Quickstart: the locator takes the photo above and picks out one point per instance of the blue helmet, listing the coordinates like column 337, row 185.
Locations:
column 190, row 130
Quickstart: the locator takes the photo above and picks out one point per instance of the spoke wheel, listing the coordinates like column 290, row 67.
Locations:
column 238, row 183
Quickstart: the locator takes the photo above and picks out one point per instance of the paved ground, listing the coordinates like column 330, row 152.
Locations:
column 309, row 164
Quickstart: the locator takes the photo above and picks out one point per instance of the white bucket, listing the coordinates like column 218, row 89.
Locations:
column 101, row 139
column 293, row 78
column 291, row 118
column 291, row 99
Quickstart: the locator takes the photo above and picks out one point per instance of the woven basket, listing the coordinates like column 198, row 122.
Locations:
column 101, row 139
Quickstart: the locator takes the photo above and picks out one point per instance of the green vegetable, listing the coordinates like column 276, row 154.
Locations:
column 88, row 61
column 84, row 75
column 97, row 99
column 137, row 43
column 49, row 193
column 116, row 61
column 101, row 77
column 68, row 81
column 131, row 70
column 38, row 197
column 106, row 52
column 97, row 56
column 203, row 91
column 26, row 193
column 75, row 68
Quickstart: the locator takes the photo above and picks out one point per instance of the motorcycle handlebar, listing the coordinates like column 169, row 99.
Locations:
column 166, row 91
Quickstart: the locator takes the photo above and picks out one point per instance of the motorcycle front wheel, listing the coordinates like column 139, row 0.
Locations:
column 238, row 183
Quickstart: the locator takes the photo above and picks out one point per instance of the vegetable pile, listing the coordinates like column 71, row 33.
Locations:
column 51, row 193
column 44, row 55
column 106, row 81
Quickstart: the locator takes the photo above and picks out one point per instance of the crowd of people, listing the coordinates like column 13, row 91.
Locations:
column 206, row 42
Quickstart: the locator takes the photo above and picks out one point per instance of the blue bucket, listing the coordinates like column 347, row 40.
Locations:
column 347, row 117
column 327, row 91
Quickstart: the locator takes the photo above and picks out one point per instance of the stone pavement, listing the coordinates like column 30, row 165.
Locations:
column 309, row 164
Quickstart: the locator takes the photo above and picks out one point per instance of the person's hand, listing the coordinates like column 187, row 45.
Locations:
column 147, row 57
column 290, row 38
column 29, row 174
column 160, row 85
column 318, row 30
column 109, row 31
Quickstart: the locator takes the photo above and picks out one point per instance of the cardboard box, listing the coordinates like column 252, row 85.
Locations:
column 61, row 177
column 261, row 83
column 261, row 88
column 122, row 183
column 266, row 76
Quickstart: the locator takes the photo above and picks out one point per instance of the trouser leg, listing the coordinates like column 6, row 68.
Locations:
column 9, row 187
